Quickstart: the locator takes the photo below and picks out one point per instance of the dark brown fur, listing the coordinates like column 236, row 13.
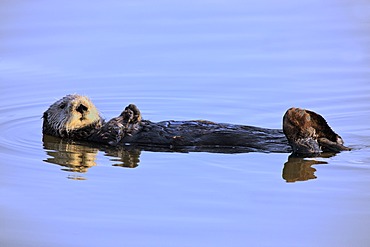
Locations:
column 305, row 131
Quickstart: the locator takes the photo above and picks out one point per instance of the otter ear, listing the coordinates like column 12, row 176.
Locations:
column 45, row 115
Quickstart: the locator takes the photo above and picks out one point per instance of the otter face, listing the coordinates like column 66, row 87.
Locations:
column 71, row 113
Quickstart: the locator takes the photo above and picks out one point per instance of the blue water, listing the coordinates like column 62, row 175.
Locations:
column 242, row 62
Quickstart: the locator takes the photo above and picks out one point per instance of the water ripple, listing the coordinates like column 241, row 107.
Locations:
column 20, row 135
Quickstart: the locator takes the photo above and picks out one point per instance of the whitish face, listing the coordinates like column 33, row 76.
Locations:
column 72, row 112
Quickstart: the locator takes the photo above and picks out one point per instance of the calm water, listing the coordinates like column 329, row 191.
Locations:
column 232, row 61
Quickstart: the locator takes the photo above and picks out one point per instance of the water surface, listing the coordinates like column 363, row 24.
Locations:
column 242, row 62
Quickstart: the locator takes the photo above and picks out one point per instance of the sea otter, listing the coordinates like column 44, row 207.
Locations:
column 75, row 117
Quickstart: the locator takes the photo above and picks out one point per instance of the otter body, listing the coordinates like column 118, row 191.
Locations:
column 204, row 134
column 75, row 117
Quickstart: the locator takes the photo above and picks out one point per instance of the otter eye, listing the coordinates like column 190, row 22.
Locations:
column 62, row 106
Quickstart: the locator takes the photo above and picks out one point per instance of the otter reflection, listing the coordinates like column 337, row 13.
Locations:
column 79, row 157
column 72, row 157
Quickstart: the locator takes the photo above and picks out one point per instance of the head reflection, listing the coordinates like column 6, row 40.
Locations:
column 78, row 157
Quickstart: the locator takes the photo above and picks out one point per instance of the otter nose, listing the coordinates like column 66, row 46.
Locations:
column 81, row 108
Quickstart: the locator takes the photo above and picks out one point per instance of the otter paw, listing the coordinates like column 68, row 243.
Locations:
column 131, row 114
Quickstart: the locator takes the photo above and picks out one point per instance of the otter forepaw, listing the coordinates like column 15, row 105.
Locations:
column 131, row 114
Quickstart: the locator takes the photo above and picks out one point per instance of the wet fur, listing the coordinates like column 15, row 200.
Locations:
column 63, row 120
column 76, row 117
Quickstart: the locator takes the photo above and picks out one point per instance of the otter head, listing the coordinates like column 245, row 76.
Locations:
column 73, row 116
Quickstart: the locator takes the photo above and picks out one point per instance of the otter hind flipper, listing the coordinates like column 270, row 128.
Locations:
column 327, row 145
column 309, row 132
